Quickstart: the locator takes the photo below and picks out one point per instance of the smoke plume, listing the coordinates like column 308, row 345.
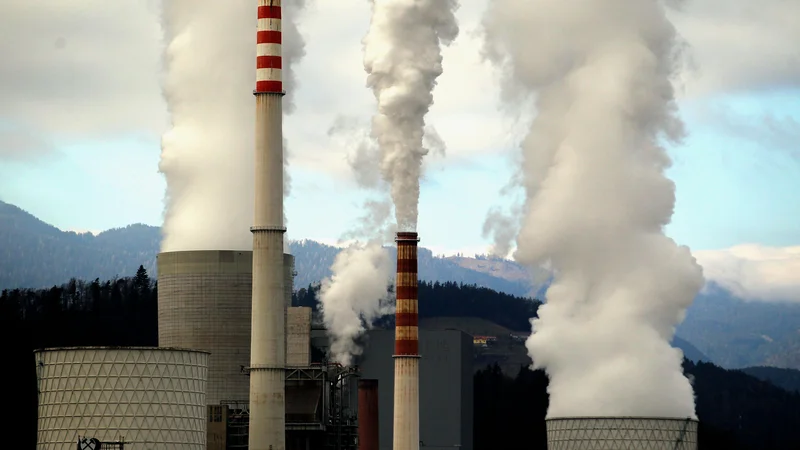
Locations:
column 403, row 59
column 354, row 296
column 597, row 200
column 207, row 155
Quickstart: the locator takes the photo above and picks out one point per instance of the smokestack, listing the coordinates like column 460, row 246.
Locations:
column 406, row 346
column 368, row 414
column 268, row 349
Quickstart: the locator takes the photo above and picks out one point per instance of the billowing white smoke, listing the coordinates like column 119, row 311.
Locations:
column 403, row 59
column 354, row 296
column 207, row 155
column 597, row 200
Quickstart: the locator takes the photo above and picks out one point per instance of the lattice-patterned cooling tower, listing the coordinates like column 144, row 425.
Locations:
column 621, row 433
column 152, row 398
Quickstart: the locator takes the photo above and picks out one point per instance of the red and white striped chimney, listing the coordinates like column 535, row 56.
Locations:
column 406, row 346
column 268, row 342
column 269, row 61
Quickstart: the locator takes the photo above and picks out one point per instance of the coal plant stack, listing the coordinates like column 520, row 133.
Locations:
column 368, row 429
column 268, row 349
column 406, row 346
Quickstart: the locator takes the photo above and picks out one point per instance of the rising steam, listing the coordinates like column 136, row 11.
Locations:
column 207, row 155
column 597, row 200
column 355, row 295
column 403, row 59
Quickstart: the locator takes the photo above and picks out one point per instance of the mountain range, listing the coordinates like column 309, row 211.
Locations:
column 731, row 332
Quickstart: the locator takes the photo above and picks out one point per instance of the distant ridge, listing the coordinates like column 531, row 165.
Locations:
column 727, row 331
column 34, row 254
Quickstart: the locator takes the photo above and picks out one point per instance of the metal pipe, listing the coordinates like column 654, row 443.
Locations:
column 368, row 427
column 406, row 345
column 268, row 346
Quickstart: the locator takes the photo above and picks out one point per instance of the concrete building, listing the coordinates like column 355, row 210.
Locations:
column 144, row 397
column 318, row 412
column 612, row 433
column 298, row 337
column 445, row 386
column 204, row 302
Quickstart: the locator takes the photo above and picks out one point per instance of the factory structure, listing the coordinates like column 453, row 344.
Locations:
column 238, row 367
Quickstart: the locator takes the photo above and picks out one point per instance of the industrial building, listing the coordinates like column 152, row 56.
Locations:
column 204, row 303
column 121, row 397
column 445, row 386
column 613, row 433
column 320, row 412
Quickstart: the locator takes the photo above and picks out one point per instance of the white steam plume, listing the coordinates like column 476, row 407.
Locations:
column 354, row 296
column 597, row 200
column 403, row 59
column 207, row 155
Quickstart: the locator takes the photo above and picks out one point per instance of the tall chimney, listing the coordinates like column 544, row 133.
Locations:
column 368, row 414
column 268, row 349
column 406, row 346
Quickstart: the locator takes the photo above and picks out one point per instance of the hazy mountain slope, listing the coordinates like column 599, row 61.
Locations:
column 788, row 379
column 35, row 254
column 735, row 333
column 690, row 352
column 313, row 261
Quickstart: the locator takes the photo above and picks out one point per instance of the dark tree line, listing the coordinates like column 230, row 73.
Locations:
column 736, row 411
column 451, row 299
column 121, row 311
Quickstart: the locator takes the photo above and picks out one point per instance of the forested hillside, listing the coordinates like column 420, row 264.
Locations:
column 737, row 410
column 736, row 333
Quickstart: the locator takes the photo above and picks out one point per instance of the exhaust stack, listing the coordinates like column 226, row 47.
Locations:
column 406, row 346
column 268, row 346
column 368, row 414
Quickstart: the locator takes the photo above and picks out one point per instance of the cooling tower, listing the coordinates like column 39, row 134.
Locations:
column 368, row 431
column 148, row 397
column 268, row 340
column 204, row 302
column 406, row 347
column 612, row 433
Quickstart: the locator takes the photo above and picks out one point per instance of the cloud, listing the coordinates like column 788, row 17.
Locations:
column 769, row 130
column 81, row 68
column 23, row 145
column 754, row 272
column 740, row 45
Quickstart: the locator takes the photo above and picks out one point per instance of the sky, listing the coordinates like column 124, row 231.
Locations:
column 82, row 116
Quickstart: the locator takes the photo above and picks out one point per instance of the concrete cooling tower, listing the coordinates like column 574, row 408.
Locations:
column 144, row 397
column 621, row 433
column 204, row 302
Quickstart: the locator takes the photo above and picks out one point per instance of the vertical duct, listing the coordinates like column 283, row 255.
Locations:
column 368, row 414
column 406, row 346
column 268, row 348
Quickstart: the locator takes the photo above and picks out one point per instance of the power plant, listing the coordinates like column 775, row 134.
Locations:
column 238, row 367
